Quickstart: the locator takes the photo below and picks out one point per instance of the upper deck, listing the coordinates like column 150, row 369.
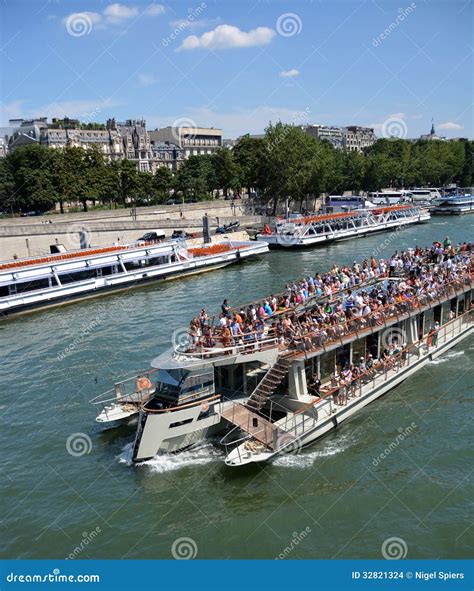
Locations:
column 307, row 340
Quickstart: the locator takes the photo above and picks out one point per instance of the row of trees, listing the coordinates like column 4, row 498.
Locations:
column 285, row 164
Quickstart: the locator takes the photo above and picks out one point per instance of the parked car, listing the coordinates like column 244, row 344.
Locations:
column 173, row 202
column 154, row 236
column 28, row 214
column 232, row 227
column 182, row 235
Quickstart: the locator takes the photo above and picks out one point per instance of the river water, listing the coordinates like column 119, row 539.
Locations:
column 334, row 499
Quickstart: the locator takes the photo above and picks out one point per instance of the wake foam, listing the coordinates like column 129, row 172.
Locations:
column 201, row 454
column 307, row 456
column 446, row 357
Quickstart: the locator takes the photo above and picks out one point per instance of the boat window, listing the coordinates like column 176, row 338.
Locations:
column 32, row 285
column 180, row 423
column 73, row 276
column 327, row 365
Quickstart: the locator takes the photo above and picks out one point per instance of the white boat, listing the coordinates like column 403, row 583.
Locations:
column 275, row 421
column 320, row 229
column 260, row 387
column 455, row 205
column 27, row 284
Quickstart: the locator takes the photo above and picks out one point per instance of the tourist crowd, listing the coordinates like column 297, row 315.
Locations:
column 323, row 307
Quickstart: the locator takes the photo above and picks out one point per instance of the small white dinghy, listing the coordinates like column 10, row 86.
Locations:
column 129, row 395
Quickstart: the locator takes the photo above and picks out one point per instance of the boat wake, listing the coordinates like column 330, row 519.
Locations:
column 203, row 453
column 446, row 357
column 307, row 457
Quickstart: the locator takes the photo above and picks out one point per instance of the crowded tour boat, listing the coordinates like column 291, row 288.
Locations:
column 26, row 284
column 277, row 374
column 456, row 205
column 319, row 229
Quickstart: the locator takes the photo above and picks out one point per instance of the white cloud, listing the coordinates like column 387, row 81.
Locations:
column 118, row 13
column 450, row 125
column 289, row 73
column 417, row 116
column 146, row 79
column 154, row 10
column 397, row 116
column 115, row 14
column 237, row 122
column 228, row 36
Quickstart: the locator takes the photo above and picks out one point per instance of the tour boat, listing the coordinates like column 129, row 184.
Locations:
column 456, row 205
column 40, row 282
column 258, row 391
column 320, row 229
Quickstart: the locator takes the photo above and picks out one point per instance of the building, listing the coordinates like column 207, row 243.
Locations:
column 356, row 138
column 352, row 138
column 166, row 155
column 432, row 135
column 136, row 144
column 324, row 132
column 3, row 147
column 194, row 141
column 67, row 132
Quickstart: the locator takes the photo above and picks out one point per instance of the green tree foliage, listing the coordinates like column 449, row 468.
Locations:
column 285, row 165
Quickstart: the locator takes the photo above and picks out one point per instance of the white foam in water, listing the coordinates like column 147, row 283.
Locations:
column 446, row 357
column 308, row 456
column 199, row 455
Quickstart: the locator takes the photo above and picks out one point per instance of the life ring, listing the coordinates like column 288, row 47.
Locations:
column 143, row 384
column 204, row 407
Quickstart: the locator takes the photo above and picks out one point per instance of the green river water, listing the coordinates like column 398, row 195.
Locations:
column 332, row 498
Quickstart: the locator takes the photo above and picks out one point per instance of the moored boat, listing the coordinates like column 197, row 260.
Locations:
column 455, row 205
column 320, row 229
column 27, row 284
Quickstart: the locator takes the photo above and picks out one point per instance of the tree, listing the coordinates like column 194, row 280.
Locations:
column 248, row 153
column 163, row 182
column 226, row 170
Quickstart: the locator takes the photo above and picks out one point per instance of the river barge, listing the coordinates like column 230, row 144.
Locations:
column 40, row 282
column 273, row 388
column 321, row 229
column 454, row 205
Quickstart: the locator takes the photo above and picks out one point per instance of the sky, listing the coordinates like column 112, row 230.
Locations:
column 237, row 65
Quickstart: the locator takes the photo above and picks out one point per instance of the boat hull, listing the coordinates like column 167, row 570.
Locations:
column 240, row 456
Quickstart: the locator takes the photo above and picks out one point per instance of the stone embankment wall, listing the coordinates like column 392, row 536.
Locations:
column 22, row 237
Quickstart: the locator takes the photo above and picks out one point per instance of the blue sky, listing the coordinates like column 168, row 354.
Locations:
column 238, row 64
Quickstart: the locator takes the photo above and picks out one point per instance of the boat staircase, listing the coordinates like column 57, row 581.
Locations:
column 246, row 416
column 268, row 384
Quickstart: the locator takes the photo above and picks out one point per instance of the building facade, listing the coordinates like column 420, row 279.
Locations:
column 166, row 155
column 357, row 139
column 324, row 132
column 194, row 141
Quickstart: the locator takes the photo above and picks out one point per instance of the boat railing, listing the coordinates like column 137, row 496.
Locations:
column 256, row 345
column 381, row 369
column 135, row 390
column 314, row 340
